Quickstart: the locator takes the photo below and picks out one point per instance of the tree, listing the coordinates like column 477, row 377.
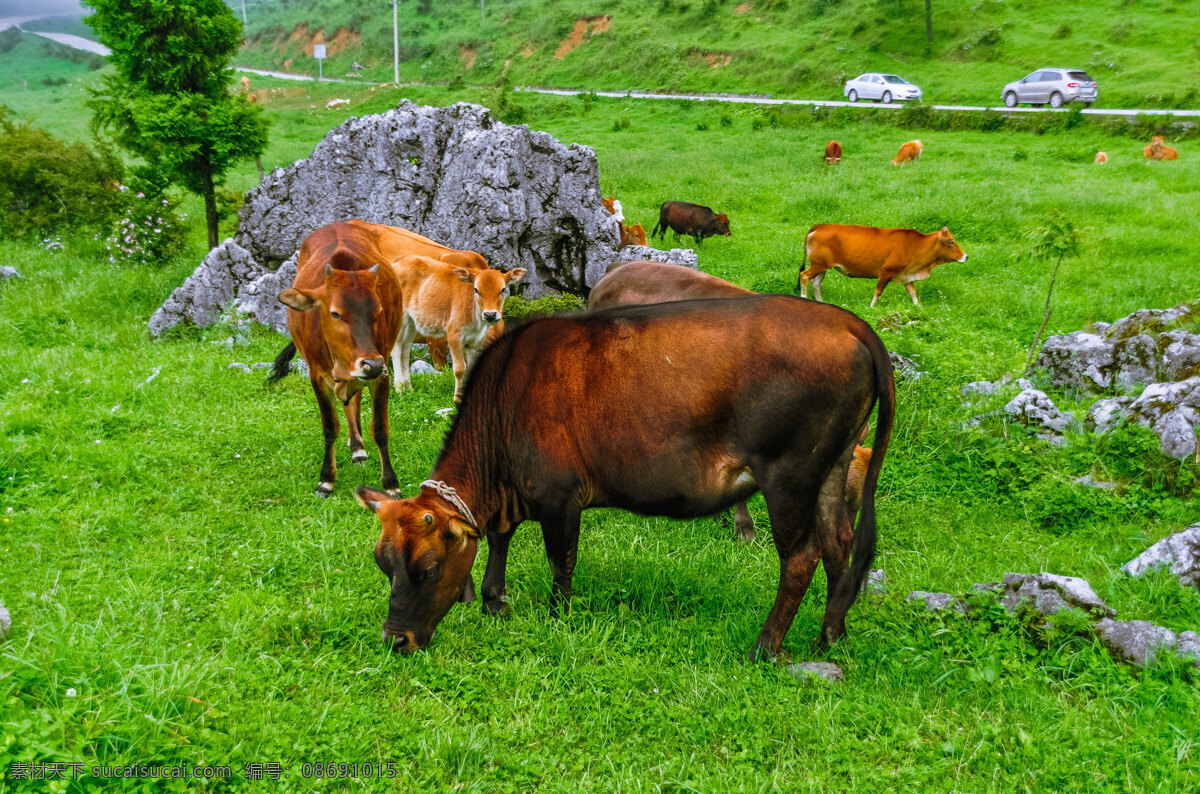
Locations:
column 928, row 22
column 170, row 101
column 1056, row 239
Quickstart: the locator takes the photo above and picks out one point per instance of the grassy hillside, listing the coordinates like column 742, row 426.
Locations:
column 179, row 596
column 34, row 70
column 1144, row 53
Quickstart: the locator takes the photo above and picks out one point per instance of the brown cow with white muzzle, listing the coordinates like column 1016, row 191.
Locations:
column 901, row 255
column 673, row 409
column 343, row 314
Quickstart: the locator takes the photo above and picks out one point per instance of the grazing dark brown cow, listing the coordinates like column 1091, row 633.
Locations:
column 901, row 255
column 833, row 153
column 672, row 409
column 694, row 219
column 344, row 314
column 641, row 282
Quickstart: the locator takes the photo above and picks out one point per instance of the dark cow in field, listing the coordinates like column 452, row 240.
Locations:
column 674, row 409
column 901, row 255
column 694, row 219
column 344, row 314
column 641, row 282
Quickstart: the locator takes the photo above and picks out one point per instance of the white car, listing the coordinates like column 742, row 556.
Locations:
column 880, row 87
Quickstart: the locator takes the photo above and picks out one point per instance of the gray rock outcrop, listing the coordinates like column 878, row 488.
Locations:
column 1172, row 411
column 1033, row 407
column 1138, row 641
column 1048, row 593
column 7, row 272
column 826, row 670
column 935, row 602
column 454, row 174
column 5, row 623
column 1144, row 347
column 1179, row 552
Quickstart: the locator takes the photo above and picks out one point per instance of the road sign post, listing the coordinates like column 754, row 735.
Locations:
column 319, row 54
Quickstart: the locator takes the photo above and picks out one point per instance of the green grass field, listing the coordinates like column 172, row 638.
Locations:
column 1143, row 53
column 179, row 596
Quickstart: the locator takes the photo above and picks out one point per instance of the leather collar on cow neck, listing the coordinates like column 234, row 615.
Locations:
column 451, row 496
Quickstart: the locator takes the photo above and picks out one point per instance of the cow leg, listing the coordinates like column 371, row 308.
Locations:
column 816, row 282
column 879, row 285
column 459, row 364
column 561, row 535
column 400, row 355
column 354, row 427
column 329, row 425
column 835, row 531
column 743, row 523
column 379, row 431
column 792, row 517
column 912, row 291
column 495, row 590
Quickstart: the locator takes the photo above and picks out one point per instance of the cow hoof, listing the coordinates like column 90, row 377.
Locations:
column 761, row 653
column 359, row 456
column 394, row 492
column 747, row 536
column 324, row 489
column 496, row 607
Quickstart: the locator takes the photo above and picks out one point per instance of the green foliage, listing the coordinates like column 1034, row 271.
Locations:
column 148, row 233
column 169, row 102
column 520, row 308
column 47, row 185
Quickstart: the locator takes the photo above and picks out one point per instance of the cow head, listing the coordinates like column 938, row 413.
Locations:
column 948, row 250
column 425, row 550
column 721, row 222
column 351, row 314
column 491, row 288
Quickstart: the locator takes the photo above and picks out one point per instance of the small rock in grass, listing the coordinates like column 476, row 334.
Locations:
column 1034, row 407
column 1048, row 593
column 1105, row 414
column 875, row 583
column 905, row 368
column 300, row 367
column 826, row 670
column 935, row 602
column 7, row 272
column 1180, row 552
column 5, row 623
column 987, row 587
column 420, row 367
column 1137, row 641
column 239, row 366
column 1087, row 482
column 263, row 365
column 982, row 387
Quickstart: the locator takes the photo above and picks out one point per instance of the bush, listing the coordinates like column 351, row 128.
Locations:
column 148, row 232
column 518, row 308
column 47, row 184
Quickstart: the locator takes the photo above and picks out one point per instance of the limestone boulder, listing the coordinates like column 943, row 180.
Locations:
column 1138, row 641
column 454, row 174
column 1048, row 593
column 1179, row 553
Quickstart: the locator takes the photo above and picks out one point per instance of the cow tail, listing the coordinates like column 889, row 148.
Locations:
column 803, row 256
column 864, row 533
column 660, row 228
column 283, row 363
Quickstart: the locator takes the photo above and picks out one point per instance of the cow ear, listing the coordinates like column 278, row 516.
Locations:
column 371, row 498
column 945, row 230
column 300, row 300
column 461, row 531
column 468, row 592
column 373, row 269
column 463, row 274
column 516, row 274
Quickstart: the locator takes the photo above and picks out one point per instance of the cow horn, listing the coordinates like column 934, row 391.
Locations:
column 373, row 269
column 328, row 269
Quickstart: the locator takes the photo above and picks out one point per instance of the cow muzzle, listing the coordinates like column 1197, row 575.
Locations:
column 491, row 318
column 964, row 258
column 401, row 641
column 368, row 369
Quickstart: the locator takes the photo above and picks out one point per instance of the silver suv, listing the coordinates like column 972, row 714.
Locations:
column 1055, row 87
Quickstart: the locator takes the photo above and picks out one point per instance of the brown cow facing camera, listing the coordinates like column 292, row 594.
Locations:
column 1158, row 150
column 641, row 282
column 693, row 219
column 833, row 153
column 672, row 409
column 343, row 314
column 900, row 255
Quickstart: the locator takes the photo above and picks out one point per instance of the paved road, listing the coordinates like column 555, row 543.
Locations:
column 92, row 46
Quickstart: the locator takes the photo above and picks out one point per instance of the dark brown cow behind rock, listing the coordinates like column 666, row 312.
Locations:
column 694, row 219
column 344, row 314
column 672, row 409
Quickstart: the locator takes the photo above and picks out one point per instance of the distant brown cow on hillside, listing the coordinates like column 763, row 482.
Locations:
column 908, row 151
column 833, row 153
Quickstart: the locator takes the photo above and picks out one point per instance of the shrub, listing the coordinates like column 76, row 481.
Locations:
column 519, row 308
column 47, row 184
column 148, row 232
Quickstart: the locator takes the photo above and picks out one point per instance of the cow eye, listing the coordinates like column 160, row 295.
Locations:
column 334, row 315
column 429, row 574
column 477, row 290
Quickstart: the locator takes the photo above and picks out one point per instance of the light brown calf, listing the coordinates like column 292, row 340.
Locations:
column 458, row 303
column 908, row 151
column 1101, row 158
column 1158, row 150
column 632, row 235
